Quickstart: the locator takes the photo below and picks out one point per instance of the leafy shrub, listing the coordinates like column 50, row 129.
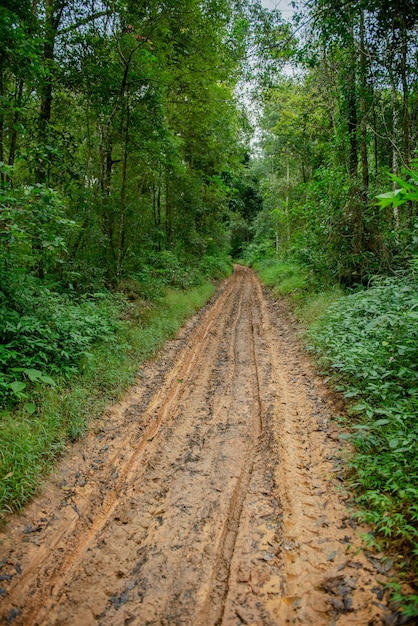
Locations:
column 34, row 228
column 215, row 266
column 369, row 341
column 43, row 333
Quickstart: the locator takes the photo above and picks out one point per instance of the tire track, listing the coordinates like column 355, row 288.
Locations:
column 214, row 606
column 297, row 559
column 206, row 499
column 77, row 539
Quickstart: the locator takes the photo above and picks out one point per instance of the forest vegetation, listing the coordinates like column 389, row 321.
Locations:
column 130, row 175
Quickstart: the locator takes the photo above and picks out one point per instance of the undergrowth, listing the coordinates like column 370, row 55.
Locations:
column 297, row 284
column 369, row 342
column 283, row 278
column 108, row 341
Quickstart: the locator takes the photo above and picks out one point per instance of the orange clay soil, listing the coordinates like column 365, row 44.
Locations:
column 211, row 495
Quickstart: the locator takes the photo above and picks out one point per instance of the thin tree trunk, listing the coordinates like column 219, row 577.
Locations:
column 287, row 202
column 168, row 212
column 352, row 123
column 52, row 22
column 122, row 205
column 2, row 177
column 375, row 141
column 405, row 98
column 13, row 136
column 395, row 159
column 363, row 109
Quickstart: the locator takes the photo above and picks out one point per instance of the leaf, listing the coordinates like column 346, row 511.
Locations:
column 388, row 194
column 17, row 386
column 32, row 374
column 48, row 380
column 359, row 407
column 352, row 393
column 381, row 422
column 30, row 407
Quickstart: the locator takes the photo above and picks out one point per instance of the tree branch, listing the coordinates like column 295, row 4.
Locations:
column 84, row 21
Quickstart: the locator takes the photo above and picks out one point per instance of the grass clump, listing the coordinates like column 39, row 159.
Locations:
column 295, row 282
column 285, row 279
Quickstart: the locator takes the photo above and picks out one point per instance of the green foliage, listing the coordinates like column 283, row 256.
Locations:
column 33, row 228
column 167, row 269
column 309, row 300
column 368, row 341
column 45, row 333
column 284, row 278
column 407, row 191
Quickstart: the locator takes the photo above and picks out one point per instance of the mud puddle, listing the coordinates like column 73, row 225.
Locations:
column 211, row 495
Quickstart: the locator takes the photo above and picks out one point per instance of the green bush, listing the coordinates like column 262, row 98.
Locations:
column 369, row 341
column 43, row 334
column 216, row 267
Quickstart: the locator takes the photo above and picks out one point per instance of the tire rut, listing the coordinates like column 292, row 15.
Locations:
column 207, row 497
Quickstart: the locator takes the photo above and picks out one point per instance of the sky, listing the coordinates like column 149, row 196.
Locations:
column 283, row 5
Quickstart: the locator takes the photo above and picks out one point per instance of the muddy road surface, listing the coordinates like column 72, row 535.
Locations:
column 211, row 495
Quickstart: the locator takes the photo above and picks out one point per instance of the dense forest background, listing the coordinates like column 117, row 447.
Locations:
column 128, row 157
column 143, row 145
column 333, row 129
column 123, row 147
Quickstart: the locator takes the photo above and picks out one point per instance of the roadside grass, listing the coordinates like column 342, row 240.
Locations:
column 33, row 435
column 367, row 343
column 284, row 279
column 294, row 283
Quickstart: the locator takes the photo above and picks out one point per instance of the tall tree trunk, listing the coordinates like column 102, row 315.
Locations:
column 52, row 21
column 2, row 176
column 122, row 203
column 13, row 136
column 394, row 138
column 352, row 122
column 375, row 135
column 168, row 212
column 363, row 109
column 286, row 211
column 106, row 167
column 405, row 97
column 53, row 15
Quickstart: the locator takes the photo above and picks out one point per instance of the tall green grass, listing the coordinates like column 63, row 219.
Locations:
column 294, row 282
column 283, row 278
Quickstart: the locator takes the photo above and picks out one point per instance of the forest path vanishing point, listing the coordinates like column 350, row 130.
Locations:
column 209, row 496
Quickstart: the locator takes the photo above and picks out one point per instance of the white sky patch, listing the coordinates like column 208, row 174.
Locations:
column 287, row 11
column 283, row 6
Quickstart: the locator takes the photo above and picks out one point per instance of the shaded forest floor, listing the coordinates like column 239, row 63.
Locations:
column 213, row 494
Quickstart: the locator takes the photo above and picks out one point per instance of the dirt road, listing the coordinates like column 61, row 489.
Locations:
column 210, row 496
